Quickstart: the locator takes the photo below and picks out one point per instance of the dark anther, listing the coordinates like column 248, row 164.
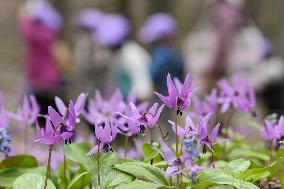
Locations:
column 142, row 128
column 102, row 125
column 204, row 149
column 108, row 148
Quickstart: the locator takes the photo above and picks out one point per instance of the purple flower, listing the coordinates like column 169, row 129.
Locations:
column 174, row 164
column 99, row 110
column 79, row 105
column 273, row 131
column 209, row 105
column 105, row 134
column 57, row 128
column 28, row 111
column 178, row 97
column 239, row 94
column 147, row 118
column 203, row 135
column 4, row 116
column 188, row 131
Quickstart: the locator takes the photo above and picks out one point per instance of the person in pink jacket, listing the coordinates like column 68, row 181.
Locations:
column 39, row 25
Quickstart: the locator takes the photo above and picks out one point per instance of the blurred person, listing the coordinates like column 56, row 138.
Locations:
column 224, row 42
column 91, row 65
column 46, row 57
column 129, row 61
column 158, row 31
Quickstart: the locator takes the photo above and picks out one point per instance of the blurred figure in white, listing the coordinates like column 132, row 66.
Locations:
column 129, row 61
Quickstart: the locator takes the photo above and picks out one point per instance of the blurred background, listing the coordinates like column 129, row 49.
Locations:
column 208, row 38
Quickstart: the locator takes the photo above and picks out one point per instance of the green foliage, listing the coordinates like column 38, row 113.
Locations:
column 80, row 181
column 32, row 181
column 143, row 171
column 23, row 161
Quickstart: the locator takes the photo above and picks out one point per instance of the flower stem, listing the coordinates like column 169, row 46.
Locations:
column 26, row 138
column 64, row 166
column 161, row 131
column 212, row 159
column 48, row 166
column 98, row 165
column 177, row 151
column 125, row 146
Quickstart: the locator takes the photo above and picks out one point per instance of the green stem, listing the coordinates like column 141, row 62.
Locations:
column 177, row 141
column 64, row 166
column 48, row 166
column 125, row 146
column 98, row 165
column 26, row 139
column 161, row 131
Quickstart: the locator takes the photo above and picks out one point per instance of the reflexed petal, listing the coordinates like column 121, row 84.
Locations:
column 54, row 116
column 60, row 106
column 169, row 155
column 181, row 132
column 215, row 132
column 135, row 112
column 80, row 103
column 185, row 90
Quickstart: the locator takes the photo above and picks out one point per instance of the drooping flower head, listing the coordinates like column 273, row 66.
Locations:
column 79, row 105
column 174, row 163
column 4, row 116
column 57, row 128
column 178, row 96
column 208, row 105
column 203, row 135
column 273, row 130
column 28, row 111
column 105, row 133
column 188, row 131
column 238, row 94
column 147, row 118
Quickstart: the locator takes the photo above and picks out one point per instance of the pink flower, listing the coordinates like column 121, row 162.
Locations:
column 178, row 96
column 239, row 94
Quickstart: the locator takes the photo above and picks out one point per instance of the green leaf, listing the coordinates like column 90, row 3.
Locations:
column 23, row 161
column 143, row 172
column 8, row 176
column 80, row 181
column 149, row 153
column 32, row 181
column 248, row 154
column 116, row 177
column 255, row 174
column 77, row 153
column 139, row 184
column 107, row 162
column 221, row 178
column 237, row 166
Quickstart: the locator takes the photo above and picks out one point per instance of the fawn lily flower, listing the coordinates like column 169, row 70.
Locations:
column 203, row 135
column 57, row 128
column 273, row 131
column 269, row 131
column 28, row 111
column 187, row 132
column 178, row 96
column 174, row 164
column 105, row 134
column 4, row 116
column 240, row 94
column 79, row 105
column 202, row 108
column 147, row 118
